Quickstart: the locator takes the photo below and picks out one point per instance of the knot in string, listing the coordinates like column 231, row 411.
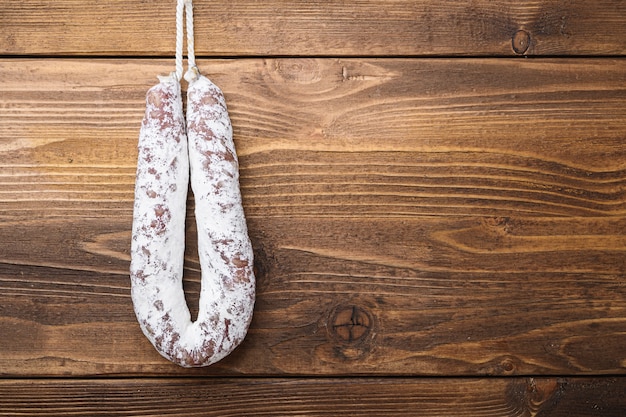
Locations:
column 192, row 73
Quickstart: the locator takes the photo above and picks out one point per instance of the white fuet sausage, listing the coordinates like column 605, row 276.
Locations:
column 157, row 249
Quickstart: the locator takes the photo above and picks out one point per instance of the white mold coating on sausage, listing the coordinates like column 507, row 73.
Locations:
column 157, row 248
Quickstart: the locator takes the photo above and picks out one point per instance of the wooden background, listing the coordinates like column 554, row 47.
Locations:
column 435, row 190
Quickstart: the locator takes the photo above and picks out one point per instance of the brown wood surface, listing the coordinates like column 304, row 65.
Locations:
column 336, row 27
column 426, row 217
column 433, row 236
column 495, row 397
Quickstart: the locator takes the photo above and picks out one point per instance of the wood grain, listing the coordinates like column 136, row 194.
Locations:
column 337, row 28
column 336, row 137
column 434, row 217
column 571, row 397
column 411, row 216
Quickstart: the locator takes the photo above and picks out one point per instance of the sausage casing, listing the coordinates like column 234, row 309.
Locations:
column 170, row 153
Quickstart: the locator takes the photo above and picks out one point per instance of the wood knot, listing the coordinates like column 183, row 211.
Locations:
column 520, row 42
column 541, row 391
column 299, row 71
column 535, row 396
column 508, row 366
column 350, row 324
column 505, row 365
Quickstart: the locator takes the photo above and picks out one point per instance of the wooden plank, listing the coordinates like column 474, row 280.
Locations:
column 338, row 28
column 571, row 397
column 433, row 217
column 332, row 301
column 337, row 136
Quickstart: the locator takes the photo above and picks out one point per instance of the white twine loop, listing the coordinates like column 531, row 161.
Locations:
column 192, row 71
column 179, row 39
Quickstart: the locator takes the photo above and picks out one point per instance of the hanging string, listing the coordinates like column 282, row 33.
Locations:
column 192, row 73
column 192, row 70
column 179, row 39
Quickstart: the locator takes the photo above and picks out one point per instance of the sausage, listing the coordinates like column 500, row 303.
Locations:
column 169, row 149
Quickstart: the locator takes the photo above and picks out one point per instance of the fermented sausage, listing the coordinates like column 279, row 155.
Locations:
column 169, row 149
